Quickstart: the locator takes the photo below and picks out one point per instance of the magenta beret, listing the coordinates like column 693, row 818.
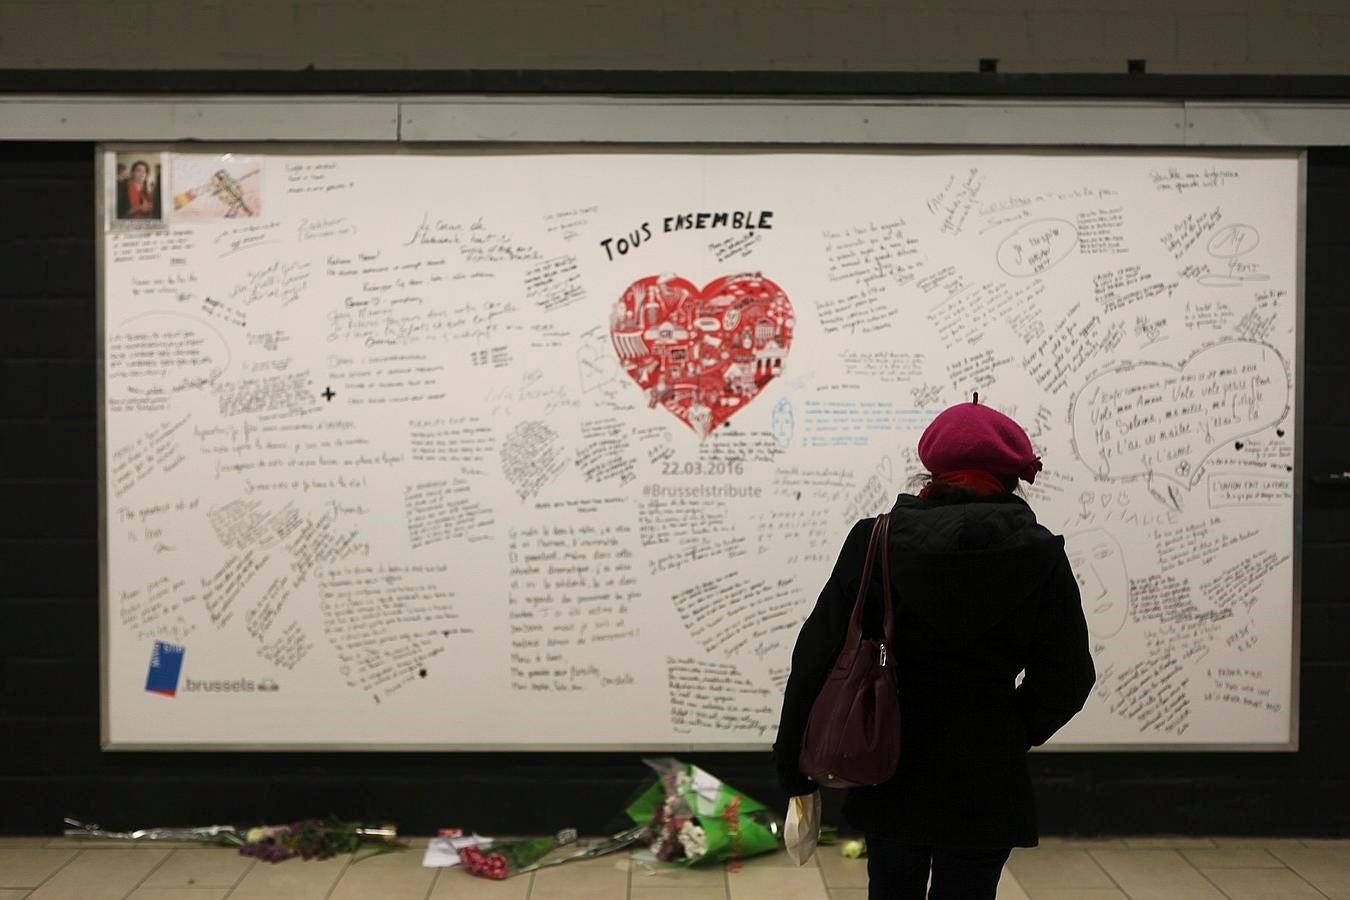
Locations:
column 972, row 436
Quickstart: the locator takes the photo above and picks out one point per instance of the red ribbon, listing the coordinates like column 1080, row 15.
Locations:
column 732, row 814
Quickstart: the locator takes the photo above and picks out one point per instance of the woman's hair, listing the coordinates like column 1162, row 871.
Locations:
column 939, row 492
column 143, row 164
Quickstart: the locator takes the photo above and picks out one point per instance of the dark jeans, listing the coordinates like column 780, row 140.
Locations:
column 899, row 871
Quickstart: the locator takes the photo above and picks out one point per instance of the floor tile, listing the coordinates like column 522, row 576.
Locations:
column 178, row 893
column 100, row 874
column 398, row 874
column 409, row 857
column 1326, row 870
column 1155, row 875
column 646, row 892
column 29, row 868
column 600, row 879
column 1164, row 842
column 1263, row 842
column 22, row 843
column 781, row 858
column 856, row 881
column 1081, row 843
column 777, row 883
column 1262, row 884
column 291, row 879
column 1342, row 844
column 1009, row 889
column 80, row 843
column 1036, row 869
column 848, row 894
column 13, row 893
column 200, row 869
column 455, row 884
column 1232, row 858
column 613, row 862
column 1078, row 894
column 840, row 872
column 649, row 871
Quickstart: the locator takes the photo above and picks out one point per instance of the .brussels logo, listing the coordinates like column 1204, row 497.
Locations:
column 166, row 664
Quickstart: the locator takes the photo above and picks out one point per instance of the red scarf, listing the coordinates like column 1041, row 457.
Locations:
column 978, row 481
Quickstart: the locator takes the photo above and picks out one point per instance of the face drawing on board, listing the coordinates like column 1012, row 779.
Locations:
column 702, row 355
column 1099, row 566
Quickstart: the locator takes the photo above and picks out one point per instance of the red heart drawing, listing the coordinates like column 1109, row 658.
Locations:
column 702, row 354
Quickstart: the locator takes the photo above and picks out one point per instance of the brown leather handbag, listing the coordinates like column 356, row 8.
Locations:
column 852, row 736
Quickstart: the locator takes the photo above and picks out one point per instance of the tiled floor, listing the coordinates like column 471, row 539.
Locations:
column 1152, row 868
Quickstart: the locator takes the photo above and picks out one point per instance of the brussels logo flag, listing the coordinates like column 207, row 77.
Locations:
column 166, row 662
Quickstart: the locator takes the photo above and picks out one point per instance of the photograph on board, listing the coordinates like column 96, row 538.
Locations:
column 137, row 190
column 218, row 187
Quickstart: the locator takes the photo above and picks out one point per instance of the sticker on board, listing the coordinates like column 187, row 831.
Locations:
column 217, row 188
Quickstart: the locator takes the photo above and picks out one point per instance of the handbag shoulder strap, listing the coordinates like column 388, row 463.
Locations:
column 878, row 543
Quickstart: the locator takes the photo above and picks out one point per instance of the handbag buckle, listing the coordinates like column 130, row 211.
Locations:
column 883, row 656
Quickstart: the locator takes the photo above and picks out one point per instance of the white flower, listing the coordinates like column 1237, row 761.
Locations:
column 694, row 840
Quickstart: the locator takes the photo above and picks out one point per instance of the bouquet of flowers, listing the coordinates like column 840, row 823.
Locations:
column 692, row 817
column 506, row 858
column 206, row 834
column 515, row 857
column 317, row 839
column 307, row 839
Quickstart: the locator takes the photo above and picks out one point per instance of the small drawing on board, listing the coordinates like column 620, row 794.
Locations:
column 1230, row 243
column 135, row 193
column 216, row 188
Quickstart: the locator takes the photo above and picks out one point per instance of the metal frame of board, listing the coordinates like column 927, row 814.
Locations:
column 585, row 119
column 446, row 126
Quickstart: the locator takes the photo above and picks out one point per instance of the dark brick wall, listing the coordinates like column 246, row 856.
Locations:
column 51, row 765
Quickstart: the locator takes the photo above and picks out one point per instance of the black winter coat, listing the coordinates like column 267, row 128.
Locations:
column 982, row 592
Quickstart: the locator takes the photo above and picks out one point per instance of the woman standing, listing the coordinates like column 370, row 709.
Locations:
column 982, row 592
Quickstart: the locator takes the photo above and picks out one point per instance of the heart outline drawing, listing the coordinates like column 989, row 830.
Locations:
column 1155, row 419
column 702, row 354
